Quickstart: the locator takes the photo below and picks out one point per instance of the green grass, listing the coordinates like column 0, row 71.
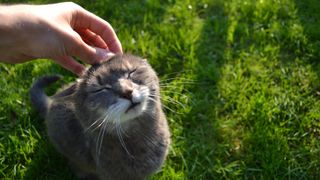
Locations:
column 247, row 73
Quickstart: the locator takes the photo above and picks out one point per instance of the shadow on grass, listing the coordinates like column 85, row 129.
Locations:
column 263, row 133
column 201, row 136
column 308, row 14
column 274, row 145
column 280, row 70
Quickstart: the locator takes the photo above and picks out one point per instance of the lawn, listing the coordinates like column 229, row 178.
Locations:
column 240, row 85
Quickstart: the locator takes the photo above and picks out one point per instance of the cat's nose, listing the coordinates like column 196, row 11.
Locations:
column 127, row 93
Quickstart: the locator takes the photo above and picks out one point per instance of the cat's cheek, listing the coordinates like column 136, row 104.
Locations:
column 98, row 103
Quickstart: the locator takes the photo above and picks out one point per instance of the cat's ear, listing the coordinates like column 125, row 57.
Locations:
column 94, row 66
column 89, row 70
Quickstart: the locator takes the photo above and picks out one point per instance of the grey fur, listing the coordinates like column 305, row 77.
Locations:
column 106, row 124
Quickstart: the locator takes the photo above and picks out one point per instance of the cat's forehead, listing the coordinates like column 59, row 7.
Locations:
column 122, row 63
column 117, row 67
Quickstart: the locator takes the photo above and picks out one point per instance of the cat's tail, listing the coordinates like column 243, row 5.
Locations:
column 38, row 97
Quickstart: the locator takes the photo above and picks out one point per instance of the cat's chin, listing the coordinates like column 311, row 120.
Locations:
column 133, row 111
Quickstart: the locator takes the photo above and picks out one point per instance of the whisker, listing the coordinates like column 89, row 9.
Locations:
column 183, row 96
column 167, row 91
column 166, row 107
column 171, row 100
column 168, row 86
column 190, row 82
column 96, row 121
column 101, row 140
column 176, row 78
column 118, row 127
column 102, row 131
column 102, row 122
column 121, row 130
column 145, row 137
column 179, row 72
column 174, row 84
column 98, row 145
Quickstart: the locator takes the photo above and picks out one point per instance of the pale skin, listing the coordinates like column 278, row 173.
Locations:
column 59, row 32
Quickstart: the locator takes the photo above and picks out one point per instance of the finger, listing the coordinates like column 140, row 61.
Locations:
column 86, row 20
column 91, row 38
column 71, row 64
column 109, row 56
column 88, row 54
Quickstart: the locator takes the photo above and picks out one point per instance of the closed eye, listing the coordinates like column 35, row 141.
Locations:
column 101, row 88
column 131, row 72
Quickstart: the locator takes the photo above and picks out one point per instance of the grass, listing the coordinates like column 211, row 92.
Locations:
column 246, row 72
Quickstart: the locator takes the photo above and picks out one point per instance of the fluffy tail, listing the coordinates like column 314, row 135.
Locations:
column 38, row 97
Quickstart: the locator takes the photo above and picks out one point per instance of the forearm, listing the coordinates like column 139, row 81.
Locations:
column 9, row 38
column 15, row 19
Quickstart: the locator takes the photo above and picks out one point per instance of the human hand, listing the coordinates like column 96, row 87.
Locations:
column 57, row 31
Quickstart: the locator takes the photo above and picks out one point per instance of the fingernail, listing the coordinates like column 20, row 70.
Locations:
column 104, row 55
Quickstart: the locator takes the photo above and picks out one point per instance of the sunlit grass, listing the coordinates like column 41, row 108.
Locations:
column 245, row 72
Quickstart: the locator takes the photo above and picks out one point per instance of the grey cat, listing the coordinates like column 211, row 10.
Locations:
column 109, row 124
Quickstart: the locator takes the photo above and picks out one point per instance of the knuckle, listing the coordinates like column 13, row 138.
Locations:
column 71, row 4
column 72, row 7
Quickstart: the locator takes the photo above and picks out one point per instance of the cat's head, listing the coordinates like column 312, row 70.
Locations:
column 117, row 90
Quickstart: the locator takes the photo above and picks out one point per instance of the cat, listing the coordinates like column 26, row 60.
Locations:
column 110, row 123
